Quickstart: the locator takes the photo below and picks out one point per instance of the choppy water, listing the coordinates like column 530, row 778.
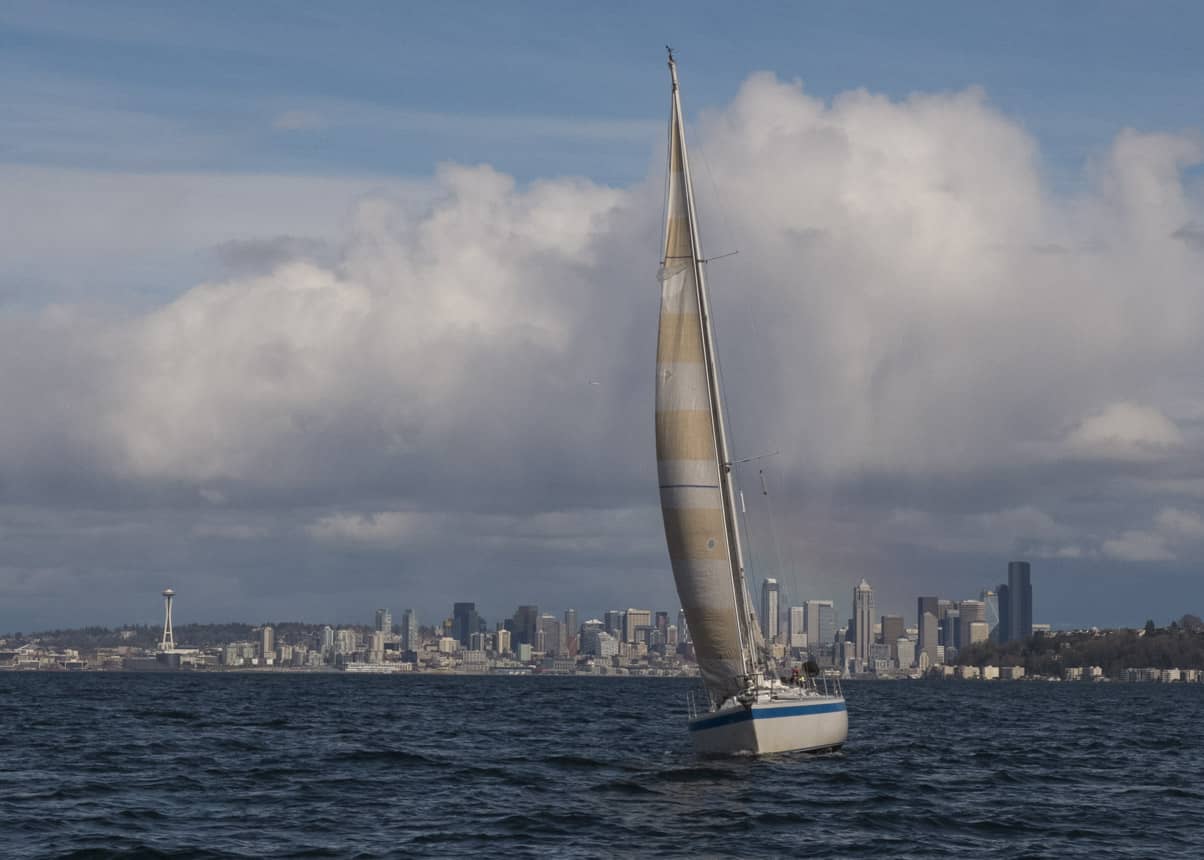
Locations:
column 336, row 766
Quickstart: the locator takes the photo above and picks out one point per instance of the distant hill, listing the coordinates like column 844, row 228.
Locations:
column 87, row 639
column 1180, row 645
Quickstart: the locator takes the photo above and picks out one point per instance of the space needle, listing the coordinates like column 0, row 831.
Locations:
column 169, row 639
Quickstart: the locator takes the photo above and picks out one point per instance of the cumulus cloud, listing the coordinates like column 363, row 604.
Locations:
column 1138, row 546
column 1125, row 431
column 915, row 319
column 384, row 527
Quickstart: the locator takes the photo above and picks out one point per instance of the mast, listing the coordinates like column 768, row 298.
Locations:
column 752, row 659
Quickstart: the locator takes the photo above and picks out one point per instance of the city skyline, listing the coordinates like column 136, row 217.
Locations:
column 297, row 336
column 781, row 616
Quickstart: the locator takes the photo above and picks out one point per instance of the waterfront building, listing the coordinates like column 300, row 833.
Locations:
column 376, row 647
column 633, row 619
column 927, row 614
column 769, row 609
column 905, row 652
column 465, row 622
column 267, row 644
column 448, row 645
column 863, row 623
column 346, row 641
column 409, row 630
column 383, row 622
column 502, row 638
column 975, row 632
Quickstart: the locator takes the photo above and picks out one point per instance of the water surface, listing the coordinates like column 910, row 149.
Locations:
column 238, row 765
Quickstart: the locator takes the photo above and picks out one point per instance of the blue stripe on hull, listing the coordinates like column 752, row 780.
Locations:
column 764, row 714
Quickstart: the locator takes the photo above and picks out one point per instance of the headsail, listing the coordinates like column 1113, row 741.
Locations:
column 690, row 447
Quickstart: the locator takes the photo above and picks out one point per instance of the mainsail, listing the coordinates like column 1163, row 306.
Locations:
column 697, row 494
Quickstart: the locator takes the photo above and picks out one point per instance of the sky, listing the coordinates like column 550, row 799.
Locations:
column 306, row 311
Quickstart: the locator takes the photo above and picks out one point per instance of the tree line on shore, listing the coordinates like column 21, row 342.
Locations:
column 1179, row 645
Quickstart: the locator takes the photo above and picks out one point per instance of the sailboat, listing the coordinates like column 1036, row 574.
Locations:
column 748, row 708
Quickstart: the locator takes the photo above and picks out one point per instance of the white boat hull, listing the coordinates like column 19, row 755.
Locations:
column 811, row 724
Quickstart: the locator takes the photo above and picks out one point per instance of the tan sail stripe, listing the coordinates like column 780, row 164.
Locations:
column 696, row 534
column 675, row 164
column 677, row 238
column 679, row 339
column 684, row 435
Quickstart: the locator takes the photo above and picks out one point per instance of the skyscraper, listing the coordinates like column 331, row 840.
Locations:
column 267, row 643
column 928, row 613
column 769, row 609
column 1020, row 600
column 819, row 619
column 683, row 629
column 465, row 622
column 798, row 627
column 613, row 621
column 951, row 633
column 970, row 612
column 571, row 632
column 383, row 622
column 892, row 631
column 863, row 617
column 526, row 626
column 1005, row 613
column 553, row 643
column 409, row 630
column 633, row 619
column 990, row 601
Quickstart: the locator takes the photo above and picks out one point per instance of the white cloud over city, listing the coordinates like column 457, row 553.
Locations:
column 446, row 392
